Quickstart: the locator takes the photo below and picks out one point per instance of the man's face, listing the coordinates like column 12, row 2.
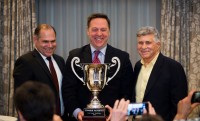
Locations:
column 98, row 33
column 46, row 42
column 147, row 47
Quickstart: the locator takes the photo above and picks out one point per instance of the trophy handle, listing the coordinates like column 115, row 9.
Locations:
column 115, row 60
column 77, row 60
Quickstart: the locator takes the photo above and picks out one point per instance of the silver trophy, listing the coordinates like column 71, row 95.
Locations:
column 95, row 77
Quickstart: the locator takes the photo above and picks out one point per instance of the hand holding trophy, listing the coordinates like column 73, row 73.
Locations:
column 95, row 78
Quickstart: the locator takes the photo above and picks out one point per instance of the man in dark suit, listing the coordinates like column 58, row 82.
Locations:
column 35, row 66
column 76, row 96
column 158, row 79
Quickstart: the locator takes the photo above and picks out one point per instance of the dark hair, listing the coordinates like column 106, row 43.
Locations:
column 43, row 26
column 97, row 15
column 35, row 101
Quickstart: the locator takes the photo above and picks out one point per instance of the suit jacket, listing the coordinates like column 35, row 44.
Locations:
column 167, row 85
column 31, row 66
column 77, row 95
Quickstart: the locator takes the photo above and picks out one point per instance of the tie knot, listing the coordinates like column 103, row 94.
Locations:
column 96, row 52
column 96, row 59
column 49, row 58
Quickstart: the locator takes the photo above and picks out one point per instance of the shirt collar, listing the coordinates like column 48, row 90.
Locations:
column 152, row 61
column 44, row 57
column 103, row 50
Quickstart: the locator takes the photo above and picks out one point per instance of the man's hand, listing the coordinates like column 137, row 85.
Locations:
column 151, row 109
column 80, row 116
column 119, row 112
column 56, row 118
column 185, row 107
column 110, row 111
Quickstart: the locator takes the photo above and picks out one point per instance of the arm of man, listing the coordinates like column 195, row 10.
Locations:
column 22, row 72
column 119, row 112
column 69, row 88
column 185, row 107
column 179, row 87
column 127, row 78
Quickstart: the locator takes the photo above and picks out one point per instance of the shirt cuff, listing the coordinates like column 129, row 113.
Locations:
column 76, row 111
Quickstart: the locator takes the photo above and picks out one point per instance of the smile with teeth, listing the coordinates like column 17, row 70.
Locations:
column 144, row 52
column 98, row 39
column 49, row 50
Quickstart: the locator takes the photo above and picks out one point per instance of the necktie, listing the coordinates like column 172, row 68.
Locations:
column 96, row 59
column 55, row 81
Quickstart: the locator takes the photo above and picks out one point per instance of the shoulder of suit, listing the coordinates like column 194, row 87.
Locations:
column 57, row 56
column 25, row 58
column 26, row 55
column 79, row 50
column 116, row 50
column 169, row 60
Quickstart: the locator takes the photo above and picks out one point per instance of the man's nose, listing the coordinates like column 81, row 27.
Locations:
column 50, row 44
column 99, row 32
column 144, row 45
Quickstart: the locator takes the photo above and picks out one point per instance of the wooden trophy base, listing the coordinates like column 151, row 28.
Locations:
column 93, row 118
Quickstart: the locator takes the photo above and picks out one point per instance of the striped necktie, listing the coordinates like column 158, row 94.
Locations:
column 96, row 59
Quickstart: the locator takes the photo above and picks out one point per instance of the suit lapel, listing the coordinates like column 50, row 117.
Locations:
column 108, row 54
column 60, row 64
column 137, row 69
column 108, row 60
column 86, row 56
column 41, row 62
column 154, row 74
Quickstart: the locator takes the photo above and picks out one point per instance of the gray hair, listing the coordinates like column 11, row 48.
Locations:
column 147, row 30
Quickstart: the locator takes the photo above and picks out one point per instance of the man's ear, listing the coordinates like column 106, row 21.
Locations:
column 35, row 38
column 87, row 31
column 159, row 44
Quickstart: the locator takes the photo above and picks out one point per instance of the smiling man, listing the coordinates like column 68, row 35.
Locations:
column 76, row 95
column 35, row 66
column 158, row 79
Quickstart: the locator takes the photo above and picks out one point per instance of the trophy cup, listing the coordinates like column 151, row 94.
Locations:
column 95, row 78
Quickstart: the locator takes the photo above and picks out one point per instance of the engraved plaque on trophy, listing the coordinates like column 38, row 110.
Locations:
column 95, row 78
